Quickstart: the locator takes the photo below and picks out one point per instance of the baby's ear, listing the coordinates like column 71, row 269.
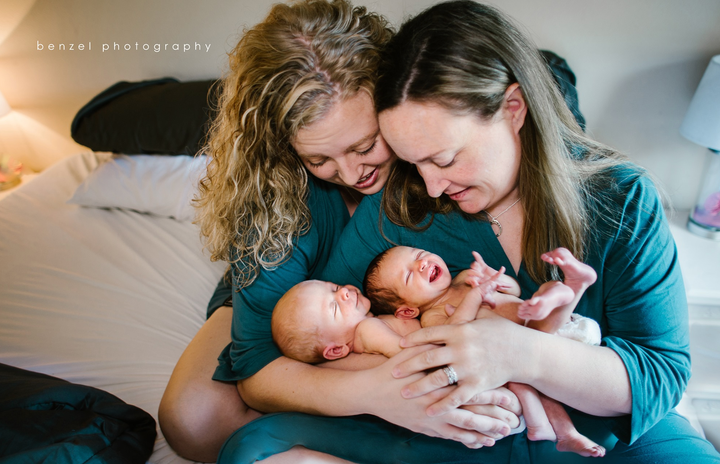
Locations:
column 333, row 351
column 406, row 312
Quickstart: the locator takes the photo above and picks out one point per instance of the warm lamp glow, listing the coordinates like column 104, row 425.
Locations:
column 4, row 107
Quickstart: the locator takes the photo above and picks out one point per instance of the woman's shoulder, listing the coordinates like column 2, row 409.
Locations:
column 625, row 203
column 623, row 186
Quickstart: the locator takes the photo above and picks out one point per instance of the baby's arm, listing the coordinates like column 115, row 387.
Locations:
column 433, row 316
column 372, row 335
column 480, row 272
column 468, row 308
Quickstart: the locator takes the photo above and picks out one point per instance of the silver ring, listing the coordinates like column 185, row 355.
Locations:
column 451, row 375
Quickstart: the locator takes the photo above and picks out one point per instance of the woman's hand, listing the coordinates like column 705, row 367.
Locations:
column 492, row 417
column 485, row 354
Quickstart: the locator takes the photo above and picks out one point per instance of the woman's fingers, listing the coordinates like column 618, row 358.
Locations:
column 495, row 412
column 429, row 335
column 458, row 397
column 433, row 356
column 488, row 426
column 431, row 382
column 469, row 438
column 501, row 397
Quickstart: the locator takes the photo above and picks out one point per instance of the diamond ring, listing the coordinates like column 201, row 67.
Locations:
column 451, row 375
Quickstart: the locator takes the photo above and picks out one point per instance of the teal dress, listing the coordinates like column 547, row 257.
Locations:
column 252, row 347
column 638, row 300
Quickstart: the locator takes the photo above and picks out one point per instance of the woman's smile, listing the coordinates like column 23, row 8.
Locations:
column 368, row 180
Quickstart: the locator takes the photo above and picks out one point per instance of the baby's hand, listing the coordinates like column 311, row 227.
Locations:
column 480, row 269
column 480, row 272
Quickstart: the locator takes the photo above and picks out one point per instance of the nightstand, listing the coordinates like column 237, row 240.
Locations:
column 700, row 264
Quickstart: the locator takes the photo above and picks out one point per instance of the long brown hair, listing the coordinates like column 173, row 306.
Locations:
column 464, row 55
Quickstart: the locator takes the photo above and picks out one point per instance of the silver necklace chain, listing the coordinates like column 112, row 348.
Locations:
column 494, row 219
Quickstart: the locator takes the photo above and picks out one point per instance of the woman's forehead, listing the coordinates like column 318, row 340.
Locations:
column 348, row 125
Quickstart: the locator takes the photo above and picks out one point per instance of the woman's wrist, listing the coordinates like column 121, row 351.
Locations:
column 529, row 354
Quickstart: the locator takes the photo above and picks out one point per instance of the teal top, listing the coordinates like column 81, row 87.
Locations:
column 252, row 347
column 638, row 299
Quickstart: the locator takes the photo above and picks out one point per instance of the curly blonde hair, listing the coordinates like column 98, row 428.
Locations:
column 284, row 74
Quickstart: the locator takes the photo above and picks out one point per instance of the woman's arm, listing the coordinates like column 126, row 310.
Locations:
column 288, row 385
column 491, row 351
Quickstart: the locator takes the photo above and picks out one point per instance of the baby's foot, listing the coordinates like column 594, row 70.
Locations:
column 580, row 444
column 549, row 296
column 578, row 275
column 541, row 432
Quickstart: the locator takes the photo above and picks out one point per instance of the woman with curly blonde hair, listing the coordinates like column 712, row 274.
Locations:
column 297, row 98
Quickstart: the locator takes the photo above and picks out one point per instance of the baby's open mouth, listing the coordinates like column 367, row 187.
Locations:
column 434, row 273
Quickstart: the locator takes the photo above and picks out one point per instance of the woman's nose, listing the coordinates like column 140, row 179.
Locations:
column 434, row 183
column 349, row 170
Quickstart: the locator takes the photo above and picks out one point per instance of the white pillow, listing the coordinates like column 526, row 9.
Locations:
column 155, row 184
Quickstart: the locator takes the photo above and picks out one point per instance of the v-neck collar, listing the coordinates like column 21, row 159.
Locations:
column 481, row 232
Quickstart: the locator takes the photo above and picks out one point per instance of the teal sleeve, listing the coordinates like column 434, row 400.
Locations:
column 644, row 318
column 252, row 347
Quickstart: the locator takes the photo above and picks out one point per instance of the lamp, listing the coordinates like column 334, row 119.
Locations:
column 702, row 126
column 10, row 170
column 4, row 107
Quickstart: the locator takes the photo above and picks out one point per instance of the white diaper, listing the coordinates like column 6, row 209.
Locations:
column 582, row 329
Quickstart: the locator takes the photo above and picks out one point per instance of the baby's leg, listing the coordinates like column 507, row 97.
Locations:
column 578, row 276
column 568, row 438
column 555, row 298
column 549, row 296
column 536, row 420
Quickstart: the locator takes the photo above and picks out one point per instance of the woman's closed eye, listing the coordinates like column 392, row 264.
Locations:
column 444, row 164
column 369, row 150
column 317, row 164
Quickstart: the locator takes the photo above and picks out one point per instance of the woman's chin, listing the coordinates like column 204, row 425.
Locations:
column 469, row 207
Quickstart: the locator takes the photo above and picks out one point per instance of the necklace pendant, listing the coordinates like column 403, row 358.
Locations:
column 495, row 222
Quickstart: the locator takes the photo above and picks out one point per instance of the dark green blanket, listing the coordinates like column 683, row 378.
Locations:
column 44, row 419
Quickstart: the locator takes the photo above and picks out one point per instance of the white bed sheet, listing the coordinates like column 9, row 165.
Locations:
column 106, row 298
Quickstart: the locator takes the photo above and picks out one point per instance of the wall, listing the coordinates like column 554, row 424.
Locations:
column 637, row 61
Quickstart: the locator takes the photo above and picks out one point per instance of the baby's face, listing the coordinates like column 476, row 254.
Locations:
column 335, row 309
column 417, row 276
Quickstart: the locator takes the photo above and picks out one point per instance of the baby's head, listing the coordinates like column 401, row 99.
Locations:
column 404, row 280
column 316, row 321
